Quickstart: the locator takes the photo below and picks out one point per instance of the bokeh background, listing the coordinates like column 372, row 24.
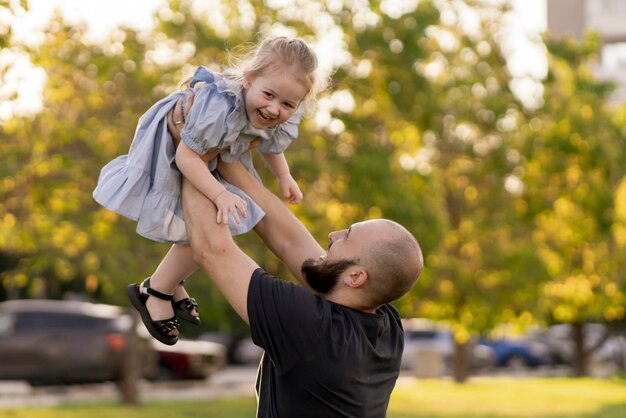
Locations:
column 498, row 143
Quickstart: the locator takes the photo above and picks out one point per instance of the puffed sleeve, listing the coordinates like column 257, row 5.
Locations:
column 284, row 134
column 206, row 123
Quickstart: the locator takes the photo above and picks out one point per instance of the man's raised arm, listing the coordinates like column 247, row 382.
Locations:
column 215, row 251
column 281, row 231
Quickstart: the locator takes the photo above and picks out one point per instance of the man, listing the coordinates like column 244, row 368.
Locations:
column 333, row 346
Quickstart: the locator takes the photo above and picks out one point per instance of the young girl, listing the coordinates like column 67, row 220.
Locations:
column 260, row 101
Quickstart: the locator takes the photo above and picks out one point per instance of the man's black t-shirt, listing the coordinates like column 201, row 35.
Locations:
column 322, row 359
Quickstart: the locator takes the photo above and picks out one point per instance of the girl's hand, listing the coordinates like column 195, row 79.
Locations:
column 229, row 203
column 290, row 189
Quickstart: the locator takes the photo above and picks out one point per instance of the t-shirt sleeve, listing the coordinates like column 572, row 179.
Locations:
column 285, row 319
column 206, row 123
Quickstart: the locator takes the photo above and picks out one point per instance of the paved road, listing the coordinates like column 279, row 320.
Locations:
column 230, row 381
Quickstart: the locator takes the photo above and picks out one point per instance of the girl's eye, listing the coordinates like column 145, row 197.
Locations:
column 288, row 105
column 268, row 94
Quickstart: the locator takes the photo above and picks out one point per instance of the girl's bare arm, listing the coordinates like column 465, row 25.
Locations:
column 288, row 186
column 194, row 168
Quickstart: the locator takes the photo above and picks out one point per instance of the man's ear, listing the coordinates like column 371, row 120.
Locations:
column 356, row 276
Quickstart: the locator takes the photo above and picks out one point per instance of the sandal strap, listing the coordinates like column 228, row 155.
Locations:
column 164, row 326
column 156, row 293
column 187, row 304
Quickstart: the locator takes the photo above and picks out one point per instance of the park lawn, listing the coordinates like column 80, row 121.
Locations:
column 243, row 407
column 510, row 398
column 480, row 398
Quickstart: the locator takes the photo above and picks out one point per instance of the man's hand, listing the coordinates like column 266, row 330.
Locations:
column 177, row 116
column 176, row 119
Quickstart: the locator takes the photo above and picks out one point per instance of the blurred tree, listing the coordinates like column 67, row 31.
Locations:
column 574, row 149
column 13, row 59
column 51, row 163
column 9, row 10
column 430, row 145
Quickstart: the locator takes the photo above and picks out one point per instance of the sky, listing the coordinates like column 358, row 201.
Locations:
column 526, row 61
column 104, row 15
column 101, row 16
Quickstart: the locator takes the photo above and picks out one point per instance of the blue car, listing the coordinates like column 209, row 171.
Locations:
column 518, row 353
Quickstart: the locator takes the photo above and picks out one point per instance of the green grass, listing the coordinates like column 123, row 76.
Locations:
column 510, row 398
column 481, row 397
column 223, row 408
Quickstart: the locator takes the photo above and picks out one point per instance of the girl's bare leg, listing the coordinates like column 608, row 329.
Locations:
column 177, row 265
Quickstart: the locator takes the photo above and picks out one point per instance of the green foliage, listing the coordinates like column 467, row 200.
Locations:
column 9, row 10
column 430, row 144
column 520, row 212
column 52, row 161
column 573, row 171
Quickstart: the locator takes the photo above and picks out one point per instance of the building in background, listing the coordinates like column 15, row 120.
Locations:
column 607, row 17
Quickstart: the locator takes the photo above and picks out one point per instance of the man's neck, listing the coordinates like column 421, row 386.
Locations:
column 341, row 298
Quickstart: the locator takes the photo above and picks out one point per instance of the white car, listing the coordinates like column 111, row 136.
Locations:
column 188, row 359
column 428, row 347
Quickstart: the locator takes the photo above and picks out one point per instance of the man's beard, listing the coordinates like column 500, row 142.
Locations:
column 323, row 277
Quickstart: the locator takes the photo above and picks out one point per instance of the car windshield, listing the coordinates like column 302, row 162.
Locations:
column 33, row 321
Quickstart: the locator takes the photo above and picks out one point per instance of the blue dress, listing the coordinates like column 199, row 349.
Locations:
column 145, row 185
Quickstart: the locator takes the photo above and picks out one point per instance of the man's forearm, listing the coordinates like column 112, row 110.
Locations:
column 280, row 229
column 215, row 251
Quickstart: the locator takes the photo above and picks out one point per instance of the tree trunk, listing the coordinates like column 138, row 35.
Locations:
column 580, row 354
column 131, row 366
column 460, row 364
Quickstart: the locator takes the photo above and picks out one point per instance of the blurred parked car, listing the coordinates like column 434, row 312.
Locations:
column 247, row 352
column 51, row 341
column 426, row 341
column 239, row 350
column 517, row 352
column 188, row 359
column 429, row 345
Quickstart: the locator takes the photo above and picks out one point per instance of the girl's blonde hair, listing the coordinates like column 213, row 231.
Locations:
column 275, row 53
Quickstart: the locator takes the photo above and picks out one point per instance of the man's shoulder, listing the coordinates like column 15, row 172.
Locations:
column 262, row 277
column 389, row 309
column 283, row 314
column 262, row 281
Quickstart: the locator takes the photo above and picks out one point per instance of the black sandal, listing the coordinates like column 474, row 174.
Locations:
column 184, row 308
column 158, row 329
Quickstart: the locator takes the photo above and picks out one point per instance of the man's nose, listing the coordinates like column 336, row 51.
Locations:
column 333, row 236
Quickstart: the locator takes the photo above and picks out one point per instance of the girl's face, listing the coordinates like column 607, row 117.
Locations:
column 272, row 97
